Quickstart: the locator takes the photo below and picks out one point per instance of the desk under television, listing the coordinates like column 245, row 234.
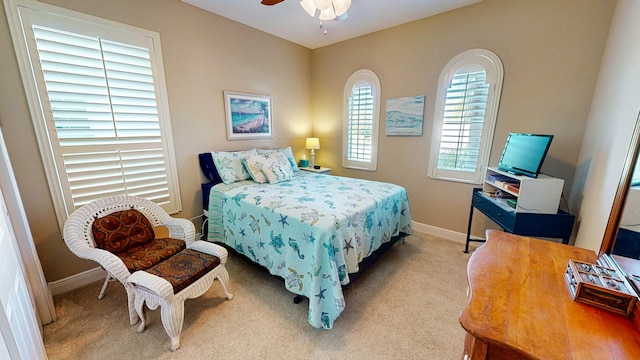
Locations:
column 522, row 205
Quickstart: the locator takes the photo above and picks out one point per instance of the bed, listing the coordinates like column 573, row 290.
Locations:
column 315, row 231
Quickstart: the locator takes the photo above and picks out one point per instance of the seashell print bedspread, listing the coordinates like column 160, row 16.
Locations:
column 312, row 231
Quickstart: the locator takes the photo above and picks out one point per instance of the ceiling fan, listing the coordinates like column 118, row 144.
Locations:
column 328, row 9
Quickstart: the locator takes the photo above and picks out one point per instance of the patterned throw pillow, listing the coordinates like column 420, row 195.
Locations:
column 257, row 164
column 254, row 164
column 277, row 169
column 122, row 230
column 229, row 165
column 287, row 153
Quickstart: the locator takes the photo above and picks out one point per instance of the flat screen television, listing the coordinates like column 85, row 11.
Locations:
column 523, row 154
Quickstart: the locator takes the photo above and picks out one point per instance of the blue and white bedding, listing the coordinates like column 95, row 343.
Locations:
column 312, row 231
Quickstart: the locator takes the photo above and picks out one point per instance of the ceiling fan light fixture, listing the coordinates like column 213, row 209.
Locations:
column 328, row 9
column 327, row 14
column 341, row 6
column 322, row 4
column 309, row 7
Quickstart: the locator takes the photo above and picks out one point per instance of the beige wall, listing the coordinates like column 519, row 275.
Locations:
column 203, row 55
column 551, row 52
column 611, row 122
column 550, row 49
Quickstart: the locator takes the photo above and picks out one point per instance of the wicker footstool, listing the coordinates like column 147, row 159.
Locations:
column 168, row 284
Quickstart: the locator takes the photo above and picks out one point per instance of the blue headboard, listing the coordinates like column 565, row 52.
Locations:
column 211, row 173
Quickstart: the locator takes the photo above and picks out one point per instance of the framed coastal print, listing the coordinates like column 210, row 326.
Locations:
column 405, row 116
column 248, row 116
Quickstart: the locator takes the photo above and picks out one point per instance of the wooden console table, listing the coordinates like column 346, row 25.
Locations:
column 520, row 308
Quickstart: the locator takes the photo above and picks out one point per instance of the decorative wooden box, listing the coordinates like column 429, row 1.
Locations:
column 600, row 285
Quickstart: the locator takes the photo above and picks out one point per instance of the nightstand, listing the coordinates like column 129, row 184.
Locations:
column 322, row 170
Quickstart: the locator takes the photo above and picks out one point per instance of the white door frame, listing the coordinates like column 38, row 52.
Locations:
column 39, row 289
column 19, row 325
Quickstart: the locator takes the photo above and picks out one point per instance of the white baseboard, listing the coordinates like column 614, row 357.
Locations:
column 440, row 232
column 76, row 281
column 92, row 275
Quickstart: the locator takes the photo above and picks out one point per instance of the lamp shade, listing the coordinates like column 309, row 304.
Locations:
column 313, row 144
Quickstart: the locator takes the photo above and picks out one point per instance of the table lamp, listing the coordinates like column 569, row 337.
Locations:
column 313, row 144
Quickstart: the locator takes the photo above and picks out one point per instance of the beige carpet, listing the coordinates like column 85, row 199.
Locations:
column 405, row 307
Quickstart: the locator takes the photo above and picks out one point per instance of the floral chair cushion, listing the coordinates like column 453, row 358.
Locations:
column 122, row 230
column 149, row 254
column 129, row 235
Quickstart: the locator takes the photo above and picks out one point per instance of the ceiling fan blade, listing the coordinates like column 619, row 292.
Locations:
column 271, row 2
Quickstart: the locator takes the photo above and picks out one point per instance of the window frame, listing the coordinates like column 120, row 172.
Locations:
column 22, row 11
column 362, row 76
column 494, row 77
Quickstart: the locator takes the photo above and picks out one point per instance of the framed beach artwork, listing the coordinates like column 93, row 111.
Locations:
column 405, row 116
column 248, row 116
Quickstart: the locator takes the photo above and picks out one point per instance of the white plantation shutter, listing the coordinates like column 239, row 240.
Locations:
column 360, row 124
column 464, row 111
column 362, row 112
column 465, row 114
column 103, row 109
column 103, row 105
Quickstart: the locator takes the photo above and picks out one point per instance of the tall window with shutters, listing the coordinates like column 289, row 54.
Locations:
column 361, row 118
column 465, row 114
column 101, row 119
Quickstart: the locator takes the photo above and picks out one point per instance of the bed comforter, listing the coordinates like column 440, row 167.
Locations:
column 312, row 231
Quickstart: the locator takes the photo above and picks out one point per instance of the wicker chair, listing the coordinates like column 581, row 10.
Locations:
column 79, row 237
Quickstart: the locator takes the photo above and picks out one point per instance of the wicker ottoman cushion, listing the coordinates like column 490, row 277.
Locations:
column 183, row 269
column 151, row 253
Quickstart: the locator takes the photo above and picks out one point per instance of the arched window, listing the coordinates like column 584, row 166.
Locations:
column 465, row 115
column 361, row 118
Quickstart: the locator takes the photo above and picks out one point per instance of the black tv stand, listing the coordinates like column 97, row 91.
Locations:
column 559, row 225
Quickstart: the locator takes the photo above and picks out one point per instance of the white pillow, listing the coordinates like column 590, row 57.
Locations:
column 229, row 165
column 254, row 164
column 276, row 168
column 287, row 153
column 276, row 174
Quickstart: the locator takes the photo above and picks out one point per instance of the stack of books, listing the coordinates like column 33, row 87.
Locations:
column 494, row 178
column 514, row 188
column 509, row 185
column 490, row 193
